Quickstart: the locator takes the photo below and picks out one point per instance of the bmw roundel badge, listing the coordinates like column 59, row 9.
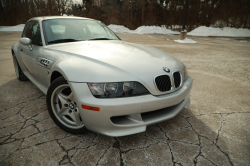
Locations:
column 166, row 69
column 71, row 106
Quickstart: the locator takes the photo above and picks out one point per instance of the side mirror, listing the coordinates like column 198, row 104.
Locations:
column 26, row 41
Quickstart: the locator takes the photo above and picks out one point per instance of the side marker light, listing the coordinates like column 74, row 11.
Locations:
column 90, row 108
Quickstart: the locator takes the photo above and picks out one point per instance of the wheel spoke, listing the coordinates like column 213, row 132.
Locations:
column 64, row 111
column 75, row 117
column 62, row 98
column 70, row 96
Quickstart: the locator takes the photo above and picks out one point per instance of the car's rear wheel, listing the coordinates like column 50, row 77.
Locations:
column 63, row 108
column 19, row 73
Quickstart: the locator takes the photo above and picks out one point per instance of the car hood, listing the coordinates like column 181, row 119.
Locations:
column 115, row 60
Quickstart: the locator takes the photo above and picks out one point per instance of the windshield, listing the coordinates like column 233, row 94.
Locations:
column 72, row 30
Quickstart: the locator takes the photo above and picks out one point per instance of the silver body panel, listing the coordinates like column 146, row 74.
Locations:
column 107, row 61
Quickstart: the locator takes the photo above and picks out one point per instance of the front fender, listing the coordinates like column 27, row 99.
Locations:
column 15, row 49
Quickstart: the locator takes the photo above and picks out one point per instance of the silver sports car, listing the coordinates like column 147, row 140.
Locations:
column 95, row 80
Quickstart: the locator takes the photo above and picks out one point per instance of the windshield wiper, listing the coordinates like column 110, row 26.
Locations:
column 63, row 40
column 101, row 38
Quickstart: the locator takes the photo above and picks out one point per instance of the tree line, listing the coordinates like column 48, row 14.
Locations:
column 134, row 13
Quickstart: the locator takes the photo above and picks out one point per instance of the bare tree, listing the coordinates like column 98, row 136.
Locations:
column 133, row 13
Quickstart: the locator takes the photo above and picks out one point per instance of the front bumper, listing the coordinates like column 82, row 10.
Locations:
column 130, row 115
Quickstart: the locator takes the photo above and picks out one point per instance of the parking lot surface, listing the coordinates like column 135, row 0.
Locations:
column 214, row 130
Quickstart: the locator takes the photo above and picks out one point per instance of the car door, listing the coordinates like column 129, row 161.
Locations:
column 29, row 56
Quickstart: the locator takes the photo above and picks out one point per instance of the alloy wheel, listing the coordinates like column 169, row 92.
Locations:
column 65, row 108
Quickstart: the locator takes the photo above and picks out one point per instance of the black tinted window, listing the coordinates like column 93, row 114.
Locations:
column 36, row 34
column 27, row 29
column 32, row 31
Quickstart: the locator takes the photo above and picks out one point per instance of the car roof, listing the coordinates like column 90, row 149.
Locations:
column 58, row 17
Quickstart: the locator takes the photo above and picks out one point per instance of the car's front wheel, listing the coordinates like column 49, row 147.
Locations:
column 62, row 107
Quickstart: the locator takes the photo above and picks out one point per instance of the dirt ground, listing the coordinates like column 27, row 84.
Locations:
column 214, row 130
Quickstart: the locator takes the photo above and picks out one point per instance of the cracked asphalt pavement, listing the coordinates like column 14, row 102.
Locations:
column 214, row 130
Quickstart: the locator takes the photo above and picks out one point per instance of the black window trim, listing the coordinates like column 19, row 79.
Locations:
column 44, row 34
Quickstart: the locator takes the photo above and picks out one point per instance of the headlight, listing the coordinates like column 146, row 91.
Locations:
column 117, row 89
column 185, row 74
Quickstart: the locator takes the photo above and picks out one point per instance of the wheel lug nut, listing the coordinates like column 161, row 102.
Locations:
column 75, row 103
column 69, row 100
column 66, row 105
column 70, row 111
column 75, row 110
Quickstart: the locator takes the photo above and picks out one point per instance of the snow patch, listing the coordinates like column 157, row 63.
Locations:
column 185, row 41
column 154, row 30
column 13, row 28
column 210, row 31
column 200, row 31
column 141, row 30
column 120, row 29
column 242, row 41
column 3, row 27
column 223, row 38
column 67, row 15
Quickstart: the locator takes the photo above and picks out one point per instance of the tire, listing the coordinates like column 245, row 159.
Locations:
column 19, row 73
column 63, row 108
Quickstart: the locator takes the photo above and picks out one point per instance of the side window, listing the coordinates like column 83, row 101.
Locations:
column 36, row 34
column 27, row 29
